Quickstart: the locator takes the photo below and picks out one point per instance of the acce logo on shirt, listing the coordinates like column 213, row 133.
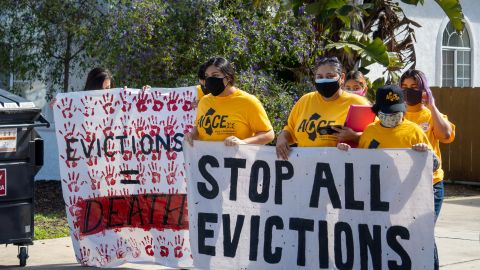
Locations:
column 210, row 120
column 314, row 126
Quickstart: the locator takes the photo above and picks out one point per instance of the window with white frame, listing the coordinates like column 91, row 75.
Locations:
column 456, row 58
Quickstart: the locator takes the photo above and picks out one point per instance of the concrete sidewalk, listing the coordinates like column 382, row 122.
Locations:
column 457, row 235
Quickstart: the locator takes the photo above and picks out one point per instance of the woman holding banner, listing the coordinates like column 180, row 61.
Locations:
column 421, row 110
column 229, row 114
column 317, row 118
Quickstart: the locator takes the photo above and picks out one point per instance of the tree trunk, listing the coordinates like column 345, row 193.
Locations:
column 66, row 62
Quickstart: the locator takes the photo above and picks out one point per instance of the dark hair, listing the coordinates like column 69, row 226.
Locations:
column 96, row 77
column 201, row 71
column 330, row 61
column 356, row 76
column 224, row 66
column 419, row 78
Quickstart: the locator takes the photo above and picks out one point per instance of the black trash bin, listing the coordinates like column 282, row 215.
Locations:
column 21, row 157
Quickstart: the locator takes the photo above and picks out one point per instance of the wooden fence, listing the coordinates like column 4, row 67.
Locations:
column 461, row 159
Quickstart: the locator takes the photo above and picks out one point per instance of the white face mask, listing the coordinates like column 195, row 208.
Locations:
column 390, row 120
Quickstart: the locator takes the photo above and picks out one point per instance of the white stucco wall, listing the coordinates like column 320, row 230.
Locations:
column 429, row 38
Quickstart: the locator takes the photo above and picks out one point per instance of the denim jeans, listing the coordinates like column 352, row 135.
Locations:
column 438, row 194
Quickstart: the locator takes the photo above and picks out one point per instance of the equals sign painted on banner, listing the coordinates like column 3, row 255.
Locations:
column 129, row 173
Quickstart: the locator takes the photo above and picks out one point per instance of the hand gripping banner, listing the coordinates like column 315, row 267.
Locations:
column 122, row 170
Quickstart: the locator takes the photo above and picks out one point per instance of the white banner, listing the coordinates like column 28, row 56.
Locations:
column 321, row 209
column 123, row 174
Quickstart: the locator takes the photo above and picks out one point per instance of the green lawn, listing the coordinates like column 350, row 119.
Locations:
column 51, row 225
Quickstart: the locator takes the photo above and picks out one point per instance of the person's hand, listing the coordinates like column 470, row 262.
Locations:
column 195, row 103
column 145, row 87
column 282, row 147
column 430, row 100
column 420, row 147
column 343, row 146
column 189, row 137
column 52, row 102
column 232, row 141
column 346, row 134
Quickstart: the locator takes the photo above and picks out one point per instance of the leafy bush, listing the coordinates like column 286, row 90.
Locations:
column 276, row 96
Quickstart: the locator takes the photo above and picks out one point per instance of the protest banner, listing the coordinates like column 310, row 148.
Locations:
column 122, row 172
column 322, row 209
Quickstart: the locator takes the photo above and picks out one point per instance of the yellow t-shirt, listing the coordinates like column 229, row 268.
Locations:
column 423, row 118
column 404, row 135
column 239, row 114
column 199, row 92
column 312, row 113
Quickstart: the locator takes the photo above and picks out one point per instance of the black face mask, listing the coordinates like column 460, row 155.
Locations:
column 204, row 90
column 412, row 96
column 214, row 85
column 327, row 89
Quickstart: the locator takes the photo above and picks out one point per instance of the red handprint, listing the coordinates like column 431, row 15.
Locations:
column 178, row 250
column 120, row 249
column 187, row 124
column 142, row 101
column 88, row 133
column 171, row 154
column 109, row 175
column 109, row 151
column 154, row 172
column 125, row 125
column 171, row 173
column 124, row 167
column 108, row 125
column 139, row 127
column 163, row 243
column 154, row 125
column 72, row 163
column 92, row 161
column 170, row 126
column 88, row 108
column 126, row 100
column 103, row 255
column 132, row 248
column 95, row 179
column 73, row 183
column 140, row 156
column 107, row 103
column 84, row 256
column 172, row 100
column 127, row 152
column 68, row 131
column 156, row 155
column 65, row 105
column 141, row 174
column 72, row 205
column 147, row 243
column 187, row 99
column 157, row 103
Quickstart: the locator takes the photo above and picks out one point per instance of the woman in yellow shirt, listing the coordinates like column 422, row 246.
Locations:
column 355, row 83
column 317, row 118
column 421, row 110
column 229, row 114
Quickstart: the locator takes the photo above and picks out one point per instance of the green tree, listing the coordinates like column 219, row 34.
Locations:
column 46, row 39
column 362, row 32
